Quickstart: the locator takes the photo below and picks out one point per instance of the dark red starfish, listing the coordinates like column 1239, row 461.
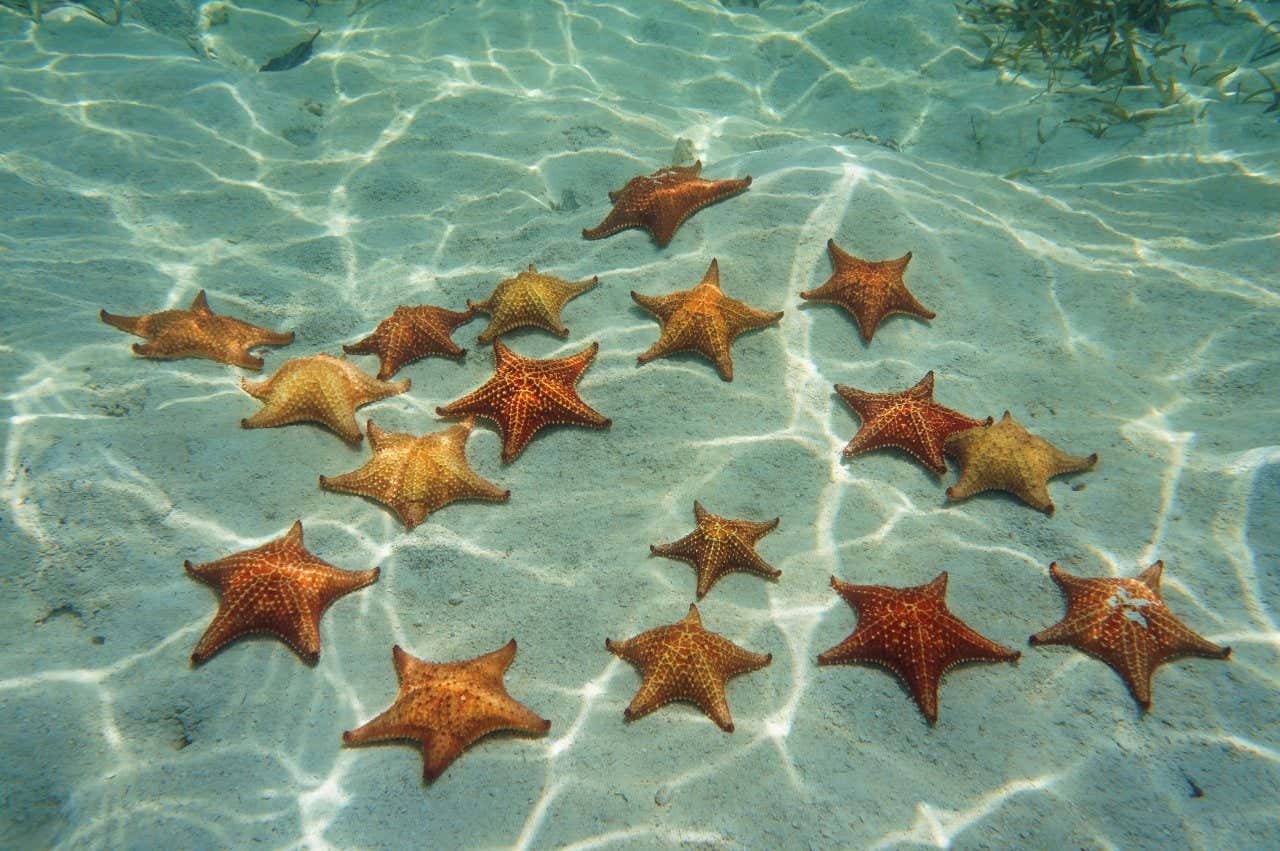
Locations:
column 909, row 420
column 526, row 394
column 410, row 333
column 911, row 632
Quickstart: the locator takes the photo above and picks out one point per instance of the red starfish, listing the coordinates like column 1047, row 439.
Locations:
column 909, row 420
column 526, row 394
column 660, row 202
column 277, row 588
column 1125, row 623
column 410, row 333
column 911, row 632
column 870, row 290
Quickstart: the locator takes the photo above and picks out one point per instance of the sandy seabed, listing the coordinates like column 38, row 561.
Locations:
column 1117, row 294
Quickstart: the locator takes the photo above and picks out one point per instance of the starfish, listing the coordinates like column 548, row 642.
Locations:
column 415, row 476
column 526, row 394
column 719, row 546
column 197, row 333
column 410, row 333
column 684, row 661
column 318, row 389
column 870, row 290
column 1125, row 623
column 909, row 420
column 444, row 707
column 660, row 202
column 911, row 632
column 278, row 588
column 702, row 319
column 1007, row 457
column 530, row 298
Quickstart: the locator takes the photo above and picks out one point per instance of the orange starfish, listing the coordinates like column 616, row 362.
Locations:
column 278, row 588
column 719, row 546
column 410, row 333
column 317, row 389
column 197, row 333
column 530, row 298
column 415, row 476
column 911, row 632
column 526, row 394
column 445, row 707
column 660, row 202
column 870, row 290
column 702, row 319
column 909, row 420
column 1007, row 457
column 1125, row 623
column 684, row 661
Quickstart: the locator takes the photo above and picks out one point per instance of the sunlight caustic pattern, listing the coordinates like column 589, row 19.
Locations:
column 1119, row 296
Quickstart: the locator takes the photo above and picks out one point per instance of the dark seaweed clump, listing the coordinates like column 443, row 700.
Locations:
column 1125, row 56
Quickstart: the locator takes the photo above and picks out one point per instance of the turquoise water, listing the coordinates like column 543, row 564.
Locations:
column 1118, row 294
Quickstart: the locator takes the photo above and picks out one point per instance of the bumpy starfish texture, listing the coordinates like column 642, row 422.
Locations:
column 278, row 588
column 197, row 333
column 526, row 394
column 702, row 319
column 1125, row 623
column 684, row 661
column 317, row 389
column 530, row 298
column 410, row 333
column 911, row 632
column 910, row 421
column 869, row 290
column 1007, row 457
column 660, row 202
column 719, row 546
column 415, row 476
column 444, row 707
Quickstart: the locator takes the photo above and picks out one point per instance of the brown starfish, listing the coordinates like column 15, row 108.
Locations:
column 197, row 333
column 910, row 421
column 415, row 476
column 684, row 661
column 1007, row 457
column 410, row 333
column 530, row 298
column 870, row 290
column 278, row 588
column 317, row 389
column 702, row 319
column 444, row 707
column 719, row 546
column 660, row 202
column 911, row 632
column 1125, row 623
column 526, row 394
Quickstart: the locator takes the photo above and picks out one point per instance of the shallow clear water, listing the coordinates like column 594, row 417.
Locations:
column 1117, row 294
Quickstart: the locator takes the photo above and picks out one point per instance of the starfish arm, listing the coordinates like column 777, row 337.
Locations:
column 685, row 549
column 379, row 479
column 240, row 356
column 365, row 388
column 128, row 324
column 741, row 317
column 491, row 666
column 258, row 389
column 661, row 306
column 617, row 219
column 267, row 337
column 1176, row 639
column 1061, row 462
column 370, row 345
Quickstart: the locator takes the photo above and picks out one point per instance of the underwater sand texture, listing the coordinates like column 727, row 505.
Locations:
column 1121, row 298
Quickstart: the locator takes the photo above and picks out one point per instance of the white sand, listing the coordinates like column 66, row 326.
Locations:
column 1120, row 297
